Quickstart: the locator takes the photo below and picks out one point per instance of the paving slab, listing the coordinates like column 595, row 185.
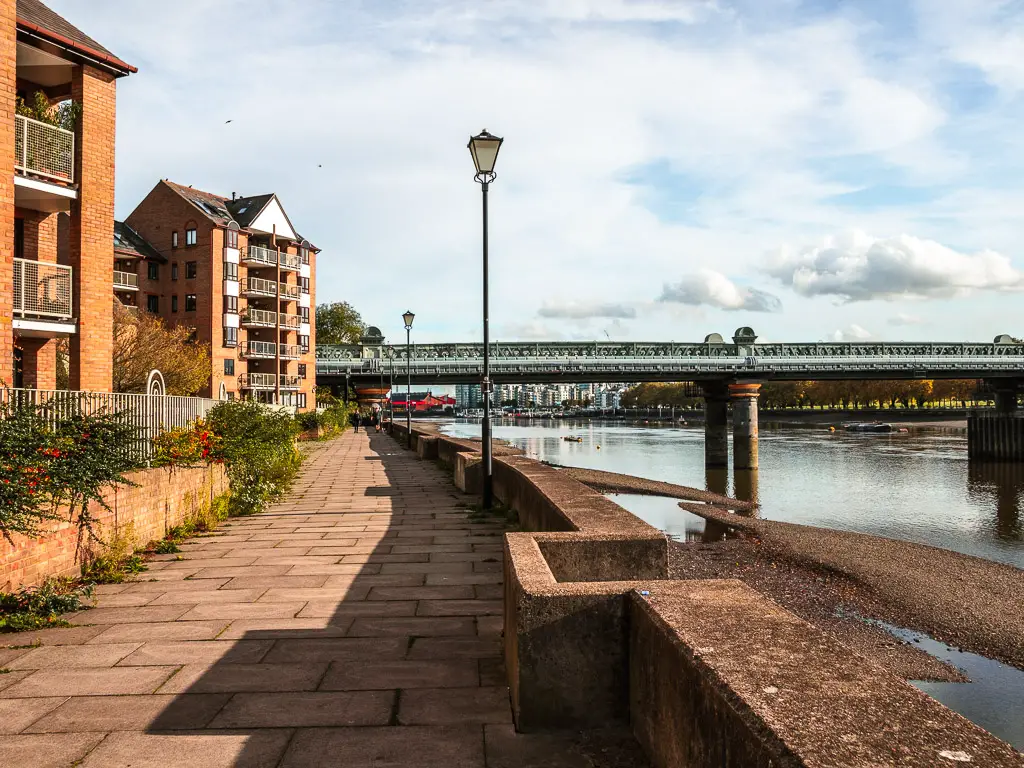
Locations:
column 47, row 750
column 326, row 708
column 390, row 747
column 133, row 749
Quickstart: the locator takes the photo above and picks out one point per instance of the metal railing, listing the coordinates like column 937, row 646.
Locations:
column 266, row 381
column 151, row 415
column 259, row 286
column 258, row 254
column 43, row 149
column 266, row 349
column 264, row 318
column 128, row 280
column 42, row 289
column 289, row 291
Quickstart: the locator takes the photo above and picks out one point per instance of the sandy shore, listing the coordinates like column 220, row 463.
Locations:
column 613, row 482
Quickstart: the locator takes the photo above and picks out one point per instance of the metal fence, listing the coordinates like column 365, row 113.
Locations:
column 42, row 289
column 43, row 149
column 151, row 415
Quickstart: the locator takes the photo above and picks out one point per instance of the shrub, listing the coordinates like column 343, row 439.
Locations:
column 118, row 561
column 185, row 446
column 257, row 445
column 39, row 607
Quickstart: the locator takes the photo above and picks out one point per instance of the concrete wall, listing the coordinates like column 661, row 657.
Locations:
column 159, row 500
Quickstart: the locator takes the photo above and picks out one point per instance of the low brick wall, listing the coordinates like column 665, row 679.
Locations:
column 161, row 499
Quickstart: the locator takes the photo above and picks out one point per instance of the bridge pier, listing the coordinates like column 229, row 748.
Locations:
column 716, row 426
column 997, row 435
column 744, row 425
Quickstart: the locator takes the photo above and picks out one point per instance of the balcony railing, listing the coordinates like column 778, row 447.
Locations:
column 42, row 289
column 258, row 254
column 257, row 286
column 262, row 318
column 289, row 291
column 265, row 349
column 266, row 381
column 126, row 281
column 43, row 150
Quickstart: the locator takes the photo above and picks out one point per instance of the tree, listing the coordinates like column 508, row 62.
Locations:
column 338, row 323
column 142, row 342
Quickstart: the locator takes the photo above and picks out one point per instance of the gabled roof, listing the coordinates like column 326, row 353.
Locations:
column 35, row 17
column 246, row 209
column 129, row 243
column 213, row 207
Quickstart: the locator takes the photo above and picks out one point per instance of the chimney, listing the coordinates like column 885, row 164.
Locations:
column 232, row 195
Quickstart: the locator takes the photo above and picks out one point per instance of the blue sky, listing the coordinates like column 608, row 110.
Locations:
column 815, row 169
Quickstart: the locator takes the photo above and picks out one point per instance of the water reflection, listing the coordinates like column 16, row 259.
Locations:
column 1003, row 483
column 914, row 486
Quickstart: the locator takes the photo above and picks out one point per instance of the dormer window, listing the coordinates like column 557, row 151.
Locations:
column 231, row 238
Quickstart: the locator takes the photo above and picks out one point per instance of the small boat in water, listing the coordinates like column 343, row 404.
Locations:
column 572, row 439
column 873, row 428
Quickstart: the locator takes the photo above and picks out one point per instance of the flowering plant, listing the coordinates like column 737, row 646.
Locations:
column 186, row 446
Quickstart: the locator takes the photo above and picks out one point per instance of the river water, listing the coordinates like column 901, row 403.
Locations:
column 916, row 486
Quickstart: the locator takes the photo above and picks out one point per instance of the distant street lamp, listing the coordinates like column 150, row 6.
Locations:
column 408, row 317
column 484, row 149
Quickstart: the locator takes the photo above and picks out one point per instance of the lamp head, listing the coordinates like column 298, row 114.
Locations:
column 408, row 317
column 484, row 149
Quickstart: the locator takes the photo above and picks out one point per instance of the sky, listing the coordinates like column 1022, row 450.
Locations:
column 814, row 169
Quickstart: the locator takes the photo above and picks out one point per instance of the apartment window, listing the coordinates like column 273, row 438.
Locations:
column 302, row 370
column 174, row 239
column 230, row 270
column 231, row 238
column 153, row 303
column 231, row 305
column 304, row 253
column 300, row 399
column 304, row 312
column 153, row 270
column 190, row 302
column 230, row 337
column 304, row 343
column 229, row 366
column 19, row 238
column 174, row 270
column 191, row 236
column 174, row 303
column 191, row 270
column 304, row 282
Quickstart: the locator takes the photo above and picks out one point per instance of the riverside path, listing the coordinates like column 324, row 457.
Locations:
column 357, row 623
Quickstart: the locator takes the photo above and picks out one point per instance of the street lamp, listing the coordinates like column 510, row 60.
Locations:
column 408, row 317
column 484, row 149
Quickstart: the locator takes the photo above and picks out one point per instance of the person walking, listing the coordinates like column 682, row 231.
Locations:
column 375, row 417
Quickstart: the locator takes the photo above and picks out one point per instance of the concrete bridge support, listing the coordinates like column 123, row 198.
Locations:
column 716, row 427
column 744, row 425
column 998, row 435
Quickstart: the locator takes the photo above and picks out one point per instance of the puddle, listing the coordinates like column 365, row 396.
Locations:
column 994, row 699
column 664, row 514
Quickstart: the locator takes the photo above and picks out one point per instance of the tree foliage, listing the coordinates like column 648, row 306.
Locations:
column 338, row 323
column 143, row 342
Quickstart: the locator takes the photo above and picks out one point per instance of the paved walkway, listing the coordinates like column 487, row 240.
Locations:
column 356, row 624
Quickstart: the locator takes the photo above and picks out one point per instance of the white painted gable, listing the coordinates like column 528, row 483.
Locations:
column 271, row 216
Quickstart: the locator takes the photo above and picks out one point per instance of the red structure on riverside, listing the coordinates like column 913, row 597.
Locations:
column 421, row 401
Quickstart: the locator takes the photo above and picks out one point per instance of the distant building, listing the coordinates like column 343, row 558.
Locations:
column 468, row 396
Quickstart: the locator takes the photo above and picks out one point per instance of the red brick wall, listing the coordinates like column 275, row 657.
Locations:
column 92, row 226
column 162, row 499
column 39, row 356
column 8, row 89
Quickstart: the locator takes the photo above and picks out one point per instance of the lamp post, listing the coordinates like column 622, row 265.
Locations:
column 484, row 149
column 408, row 317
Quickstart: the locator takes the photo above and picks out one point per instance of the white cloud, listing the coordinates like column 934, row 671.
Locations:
column 857, row 267
column 581, row 311
column 852, row 332
column 711, row 288
column 902, row 318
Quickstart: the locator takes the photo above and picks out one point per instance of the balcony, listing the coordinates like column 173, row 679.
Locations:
column 44, row 157
column 125, row 281
column 257, row 286
column 259, row 255
column 42, row 298
column 265, row 350
column 261, row 318
column 267, row 381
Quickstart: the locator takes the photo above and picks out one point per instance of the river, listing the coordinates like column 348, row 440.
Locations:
column 916, row 486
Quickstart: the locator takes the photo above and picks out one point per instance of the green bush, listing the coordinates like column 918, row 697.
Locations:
column 257, row 445
column 40, row 607
column 331, row 421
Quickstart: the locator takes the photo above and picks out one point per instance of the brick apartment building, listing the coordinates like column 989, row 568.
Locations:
column 211, row 262
column 51, row 171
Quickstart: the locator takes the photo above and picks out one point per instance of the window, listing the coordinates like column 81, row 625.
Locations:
column 304, row 311
column 174, row 239
column 230, row 270
column 304, row 343
column 174, row 303
column 19, row 238
column 191, row 236
column 304, row 253
column 231, row 305
column 302, row 370
column 230, row 337
column 191, row 270
column 231, row 395
column 153, row 270
column 190, row 302
column 231, row 238
column 300, row 399
column 229, row 366
column 305, row 284
column 153, row 303
column 174, row 270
